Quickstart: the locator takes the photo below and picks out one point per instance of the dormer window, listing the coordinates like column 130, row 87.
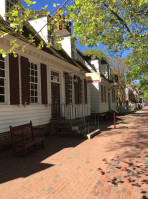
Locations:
column 10, row 4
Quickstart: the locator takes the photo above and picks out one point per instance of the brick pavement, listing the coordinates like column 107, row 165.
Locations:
column 112, row 165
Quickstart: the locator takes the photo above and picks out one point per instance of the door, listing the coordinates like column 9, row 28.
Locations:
column 109, row 101
column 55, row 96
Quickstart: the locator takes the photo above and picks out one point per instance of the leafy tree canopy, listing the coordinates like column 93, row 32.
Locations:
column 143, row 85
column 99, row 53
column 119, row 25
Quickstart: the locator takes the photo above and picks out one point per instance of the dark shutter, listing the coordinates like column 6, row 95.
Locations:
column 14, row 80
column 44, row 84
column 67, row 88
column 25, row 80
column 85, row 91
column 102, row 98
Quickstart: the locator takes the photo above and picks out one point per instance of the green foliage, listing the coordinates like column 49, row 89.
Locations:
column 144, row 86
column 99, row 53
column 118, row 25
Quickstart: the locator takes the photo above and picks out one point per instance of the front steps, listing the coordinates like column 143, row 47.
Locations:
column 84, row 127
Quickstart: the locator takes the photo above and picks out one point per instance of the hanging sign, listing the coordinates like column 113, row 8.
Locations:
column 92, row 77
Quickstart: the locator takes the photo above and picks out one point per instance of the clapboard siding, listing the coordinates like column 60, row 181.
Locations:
column 97, row 106
column 20, row 115
column 94, row 93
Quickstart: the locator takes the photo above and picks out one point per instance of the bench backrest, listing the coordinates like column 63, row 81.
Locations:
column 22, row 129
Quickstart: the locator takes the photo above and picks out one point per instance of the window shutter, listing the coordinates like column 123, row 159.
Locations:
column 44, row 84
column 14, row 80
column 85, row 90
column 102, row 98
column 67, row 88
column 25, row 80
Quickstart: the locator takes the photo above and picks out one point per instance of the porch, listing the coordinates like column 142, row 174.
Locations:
column 72, row 119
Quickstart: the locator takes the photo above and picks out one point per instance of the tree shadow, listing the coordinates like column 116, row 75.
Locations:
column 15, row 167
column 130, row 165
column 122, row 170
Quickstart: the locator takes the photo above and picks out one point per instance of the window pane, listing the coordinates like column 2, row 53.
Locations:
column 36, row 99
column 35, row 73
column 2, row 90
column 35, row 87
column 33, row 83
column 32, row 79
column 32, row 93
column 2, row 65
column 32, row 99
column 35, row 67
column 2, row 99
column 2, row 73
column 32, row 72
column 36, row 93
column 1, row 82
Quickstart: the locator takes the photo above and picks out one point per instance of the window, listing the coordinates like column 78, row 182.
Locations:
column 2, row 80
column 70, row 89
column 80, row 91
column 33, row 83
column 55, row 76
column 10, row 4
column 113, row 95
column 103, row 93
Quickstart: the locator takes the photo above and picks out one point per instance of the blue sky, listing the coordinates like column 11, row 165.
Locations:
column 41, row 3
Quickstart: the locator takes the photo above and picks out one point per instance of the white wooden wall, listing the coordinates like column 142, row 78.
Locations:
column 37, row 113
column 97, row 106
column 17, row 115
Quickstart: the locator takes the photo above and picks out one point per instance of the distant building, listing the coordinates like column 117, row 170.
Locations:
column 119, row 77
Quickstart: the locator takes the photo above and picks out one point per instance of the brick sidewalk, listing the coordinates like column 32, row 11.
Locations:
column 113, row 165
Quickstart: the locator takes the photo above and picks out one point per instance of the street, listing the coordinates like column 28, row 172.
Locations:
column 112, row 165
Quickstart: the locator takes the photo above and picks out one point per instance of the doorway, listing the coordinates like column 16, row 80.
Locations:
column 55, row 97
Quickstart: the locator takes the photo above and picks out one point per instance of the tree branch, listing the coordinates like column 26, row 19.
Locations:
column 119, row 18
column 51, row 18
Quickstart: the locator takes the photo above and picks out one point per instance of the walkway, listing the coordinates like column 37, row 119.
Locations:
column 113, row 165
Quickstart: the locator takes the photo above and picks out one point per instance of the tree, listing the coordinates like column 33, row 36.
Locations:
column 143, row 85
column 99, row 53
column 117, row 24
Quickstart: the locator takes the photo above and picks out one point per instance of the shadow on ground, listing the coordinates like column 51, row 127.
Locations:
column 19, row 167
column 128, row 168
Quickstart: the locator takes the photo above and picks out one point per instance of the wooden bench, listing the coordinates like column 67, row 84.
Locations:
column 23, row 137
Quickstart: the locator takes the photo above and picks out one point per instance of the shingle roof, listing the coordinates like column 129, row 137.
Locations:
column 63, row 33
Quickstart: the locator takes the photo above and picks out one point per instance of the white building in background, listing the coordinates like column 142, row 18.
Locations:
column 103, row 94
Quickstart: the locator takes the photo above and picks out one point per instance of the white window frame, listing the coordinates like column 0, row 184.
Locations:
column 4, row 78
column 35, row 83
column 70, row 88
column 81, row 91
